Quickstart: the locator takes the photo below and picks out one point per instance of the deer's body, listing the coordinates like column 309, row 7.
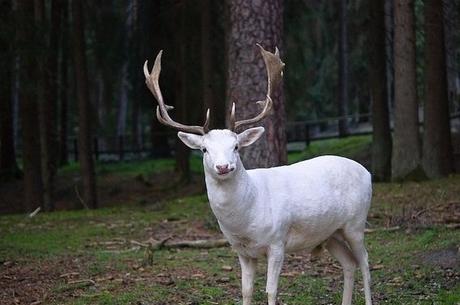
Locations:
column 299, row 206
column 268, row 212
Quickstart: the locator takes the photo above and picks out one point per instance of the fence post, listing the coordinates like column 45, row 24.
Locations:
column 307, row 134
column 96, row 148
column 75, row 149
column 120, row 148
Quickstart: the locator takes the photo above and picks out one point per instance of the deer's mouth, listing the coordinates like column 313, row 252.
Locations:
column 226, row 171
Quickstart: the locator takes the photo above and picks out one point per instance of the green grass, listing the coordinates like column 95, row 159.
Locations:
column 196, row 274
column 78, row 241
column 59, row 233
column 349, row 147
column 135, row 168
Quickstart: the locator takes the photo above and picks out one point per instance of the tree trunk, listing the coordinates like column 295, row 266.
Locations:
column 381, row 133
column 136, row 77
column 254, row 22
column 84, row 113
column 406, row 146
column 451, row 21
column 343, row 69
column 389, row 50
column 8, row 165
column 182, row 152
column 43, row 104
column 206, row 60
column 64, row 86
column 52, row 87
column 123, row 101
column 437, row 146
column 33, row 187
column 150, row 20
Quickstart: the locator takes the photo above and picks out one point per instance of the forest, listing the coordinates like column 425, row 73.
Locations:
column 82, row 149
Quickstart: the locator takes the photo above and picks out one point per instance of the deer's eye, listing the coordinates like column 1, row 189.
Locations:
column 236, row 147
column 204, row 150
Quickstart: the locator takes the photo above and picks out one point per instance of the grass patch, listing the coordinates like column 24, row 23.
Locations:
column 351, row 147
column 136, row 167
column 410, row 274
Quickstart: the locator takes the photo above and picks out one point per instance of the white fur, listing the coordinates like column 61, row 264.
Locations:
column 322, row 201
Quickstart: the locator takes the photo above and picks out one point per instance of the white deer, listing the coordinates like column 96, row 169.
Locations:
column 322, row 202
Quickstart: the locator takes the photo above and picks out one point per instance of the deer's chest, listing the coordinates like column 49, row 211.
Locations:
column 248, row 245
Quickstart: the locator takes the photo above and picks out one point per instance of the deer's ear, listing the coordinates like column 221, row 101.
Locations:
column 249, row 136
column 191, row 140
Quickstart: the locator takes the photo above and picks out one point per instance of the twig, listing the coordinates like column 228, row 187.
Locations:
column 390, row 229
column 69, row 274
column 79, row 198
column 35, row 212
column 201, row 244
column 88, row 282
column 198, row 244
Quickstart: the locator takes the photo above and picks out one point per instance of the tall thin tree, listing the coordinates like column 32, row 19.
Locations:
column 343, row 68
column 84, row 112
column 406, row 159
column 26, row 36
column 8, row 165
column 381, row 133
column 254, row 22
column 64, row 84
column 44, row 104
column 206, row 57
column 437, row 146
column 183, row 115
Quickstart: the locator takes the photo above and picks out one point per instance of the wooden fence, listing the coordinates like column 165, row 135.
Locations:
column 300, row 132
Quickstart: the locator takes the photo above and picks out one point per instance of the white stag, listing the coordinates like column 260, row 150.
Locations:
column 322, row 202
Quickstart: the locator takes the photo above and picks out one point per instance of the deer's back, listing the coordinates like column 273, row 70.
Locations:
column 312, row 199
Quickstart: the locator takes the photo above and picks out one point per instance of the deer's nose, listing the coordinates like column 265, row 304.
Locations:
column 223, row 169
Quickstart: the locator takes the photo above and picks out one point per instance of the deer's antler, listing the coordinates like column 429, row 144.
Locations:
column 274, row 67
column 151, row 80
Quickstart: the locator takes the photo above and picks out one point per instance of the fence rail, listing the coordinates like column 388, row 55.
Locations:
column 300, row 132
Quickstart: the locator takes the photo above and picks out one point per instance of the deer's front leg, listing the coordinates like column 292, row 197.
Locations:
column 275, row 262
column 248, row 271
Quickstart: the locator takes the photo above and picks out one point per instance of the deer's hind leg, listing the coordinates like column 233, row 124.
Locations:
column 355, row 239
column 340, row 251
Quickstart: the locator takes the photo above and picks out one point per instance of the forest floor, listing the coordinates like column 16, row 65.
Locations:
column 99, row 256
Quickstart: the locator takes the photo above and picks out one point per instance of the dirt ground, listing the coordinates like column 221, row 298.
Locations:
column 113, row 190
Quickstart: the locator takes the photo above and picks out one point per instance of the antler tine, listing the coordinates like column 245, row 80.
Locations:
column 151, row 80
column 274, row 66
column 232, row 118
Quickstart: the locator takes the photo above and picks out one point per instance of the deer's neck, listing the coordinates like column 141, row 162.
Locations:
column 233, row 199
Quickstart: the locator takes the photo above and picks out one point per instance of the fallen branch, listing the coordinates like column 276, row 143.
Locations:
column 199, row 244
column 83, row 203
column 35, row 212
column 88, row 282
column 390, row 229
column 196, row 244
column 69, row 274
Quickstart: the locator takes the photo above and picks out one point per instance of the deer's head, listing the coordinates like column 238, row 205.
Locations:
column 220, row 147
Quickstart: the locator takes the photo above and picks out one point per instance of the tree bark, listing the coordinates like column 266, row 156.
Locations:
column 43, row 104
column 254, row 22
column 206, row 60
column 8, row 165
column 84, row 115
column 381, row 133
column 182, row 152
column 343, row 69
column 406, row 159
column 33, row 187
column 437, row 146
column 64, row 86
column 389, row 50
column 52, row 87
